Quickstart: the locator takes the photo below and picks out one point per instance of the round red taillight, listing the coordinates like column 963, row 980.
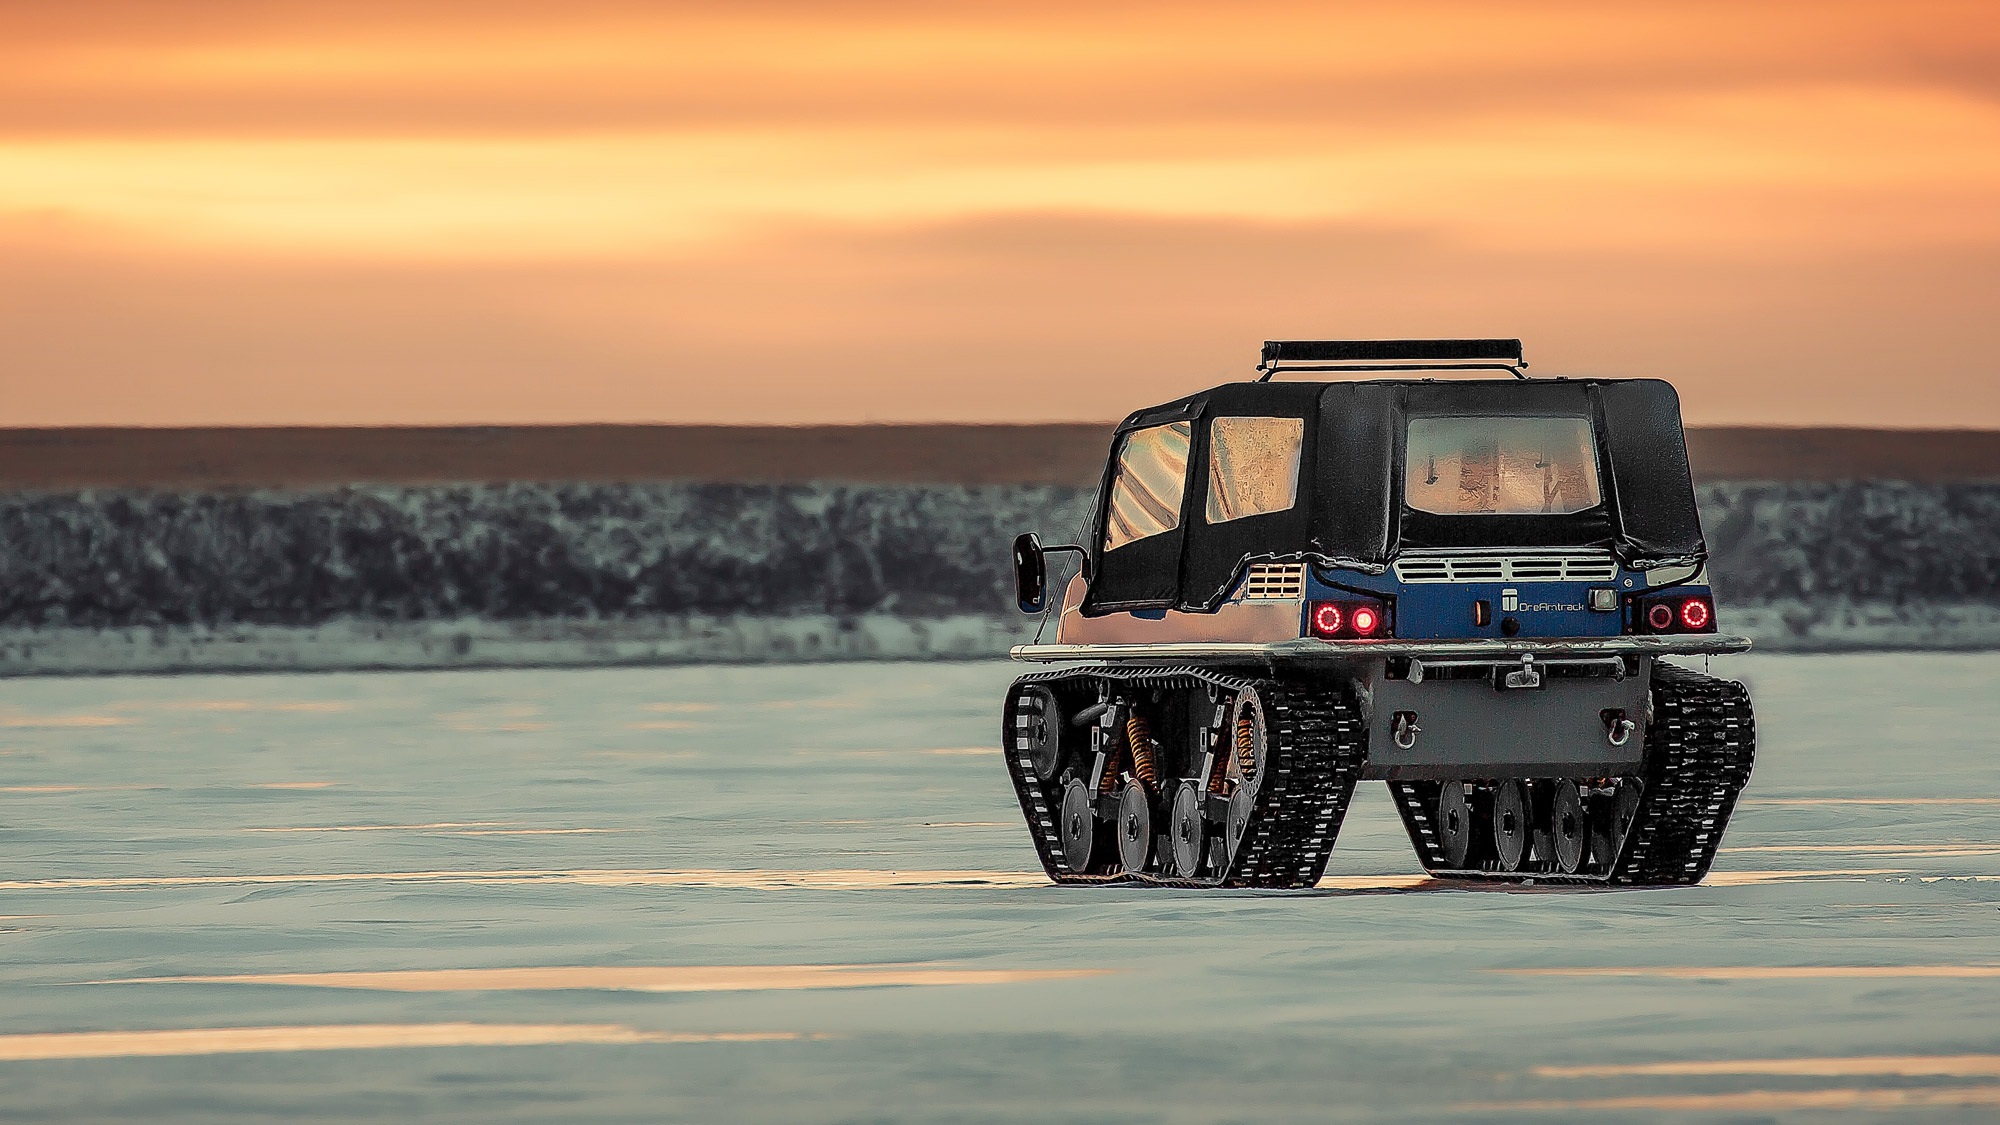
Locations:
column 1661, row 616
column 1694, row 613
column 1326, row 619
column 1365, row 621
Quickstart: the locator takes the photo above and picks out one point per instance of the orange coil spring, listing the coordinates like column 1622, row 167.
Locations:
column 1144, row 749
column 1246, row 747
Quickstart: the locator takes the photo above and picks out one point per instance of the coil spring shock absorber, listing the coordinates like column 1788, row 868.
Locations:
column 1246, row 747
column 1145, row 752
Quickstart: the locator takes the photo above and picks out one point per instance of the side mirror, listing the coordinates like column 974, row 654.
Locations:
column 1031, row 573
column 1031, row 570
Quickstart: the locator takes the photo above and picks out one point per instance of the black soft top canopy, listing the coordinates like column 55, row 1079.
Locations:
column 1350, row 510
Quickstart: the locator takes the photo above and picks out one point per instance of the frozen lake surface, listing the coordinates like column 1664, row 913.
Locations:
column 803, row 893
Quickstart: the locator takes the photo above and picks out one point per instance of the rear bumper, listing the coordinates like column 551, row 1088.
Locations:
column 1311, row 650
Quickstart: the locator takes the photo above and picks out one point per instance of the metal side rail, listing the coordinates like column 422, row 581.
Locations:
column 1318, row 747
column 1700, row 748
column 1307, row 648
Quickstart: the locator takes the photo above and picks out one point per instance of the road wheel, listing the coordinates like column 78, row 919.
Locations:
column 1454, row 824
column 1079, row 828
column 1240, row 806
column 1188, row 830
column 1135, row 828
column 1511, row 824
column 1042, row 719
column 1569, row 827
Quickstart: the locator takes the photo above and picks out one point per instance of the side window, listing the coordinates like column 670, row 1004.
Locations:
column 1253, row 466
column 1147, row 489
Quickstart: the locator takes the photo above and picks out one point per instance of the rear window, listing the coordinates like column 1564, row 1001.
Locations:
column 1500, row 466
column 1147, row 490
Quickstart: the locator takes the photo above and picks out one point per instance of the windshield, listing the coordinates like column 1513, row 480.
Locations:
column 1500, row 466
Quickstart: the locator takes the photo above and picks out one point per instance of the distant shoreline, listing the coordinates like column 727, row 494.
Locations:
column 354, row 645
column 118, row 580
column 61, row 460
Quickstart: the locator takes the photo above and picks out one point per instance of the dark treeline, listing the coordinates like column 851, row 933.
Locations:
column 597, row 550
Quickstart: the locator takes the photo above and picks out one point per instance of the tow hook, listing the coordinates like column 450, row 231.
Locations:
column 1617, row 728
column 1527, row 676
column 1405, row 729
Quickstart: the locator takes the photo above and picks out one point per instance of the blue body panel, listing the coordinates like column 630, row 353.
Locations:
column 1444, row 611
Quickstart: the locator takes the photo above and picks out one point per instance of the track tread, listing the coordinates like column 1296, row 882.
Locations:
column 1700, row 747
column 1317, row 747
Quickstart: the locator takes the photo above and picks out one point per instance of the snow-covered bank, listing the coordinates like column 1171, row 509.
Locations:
column 585, row 574
column 351, row 644
column 1843, row 625
column 514, row 552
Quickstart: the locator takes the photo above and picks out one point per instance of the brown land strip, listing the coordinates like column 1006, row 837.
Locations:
column 1057, row 453
column 1842, row 453
column 307, row 457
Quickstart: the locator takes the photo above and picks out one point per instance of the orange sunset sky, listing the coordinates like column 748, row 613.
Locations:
column 445, row 211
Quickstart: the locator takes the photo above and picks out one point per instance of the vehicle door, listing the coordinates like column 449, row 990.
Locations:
column 1142, row 518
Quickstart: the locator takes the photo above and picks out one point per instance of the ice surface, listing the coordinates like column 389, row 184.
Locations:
column 772, row 818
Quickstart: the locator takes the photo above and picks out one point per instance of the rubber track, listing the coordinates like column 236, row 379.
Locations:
column 1700, row 747
column 1317, row 747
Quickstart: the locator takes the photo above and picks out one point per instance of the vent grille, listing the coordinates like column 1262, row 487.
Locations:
column 1275, row 580
column 1582, row 566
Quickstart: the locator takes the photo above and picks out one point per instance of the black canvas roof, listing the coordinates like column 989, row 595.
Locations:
column 1350, row 509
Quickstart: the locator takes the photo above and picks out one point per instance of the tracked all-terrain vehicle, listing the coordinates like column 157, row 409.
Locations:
column 1463, row 587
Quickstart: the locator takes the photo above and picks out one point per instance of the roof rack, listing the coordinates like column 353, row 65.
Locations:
column 1391, row 355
